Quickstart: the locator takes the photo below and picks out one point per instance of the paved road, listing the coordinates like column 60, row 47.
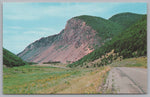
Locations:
column 124, row 80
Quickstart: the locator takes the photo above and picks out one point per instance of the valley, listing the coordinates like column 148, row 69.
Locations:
column 57, row 79
column 91, row 55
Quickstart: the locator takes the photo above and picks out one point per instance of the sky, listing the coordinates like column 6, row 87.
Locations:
column 24, row 23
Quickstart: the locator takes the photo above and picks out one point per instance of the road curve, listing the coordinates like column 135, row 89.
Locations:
column 122, row 80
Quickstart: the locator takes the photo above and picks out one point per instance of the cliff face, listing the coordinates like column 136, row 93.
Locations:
column 72, row 43
column 81, row 36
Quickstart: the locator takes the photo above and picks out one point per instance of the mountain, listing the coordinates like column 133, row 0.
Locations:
column 10, row 59
column 130, row 43
column 72, row 43
column 126, row 19
column 106, row 29
column 81, row 36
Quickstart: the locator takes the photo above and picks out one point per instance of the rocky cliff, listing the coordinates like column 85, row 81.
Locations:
column 72, row 43
column 81, row 36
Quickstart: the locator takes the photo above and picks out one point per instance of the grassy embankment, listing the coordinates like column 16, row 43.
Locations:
column 50, row 80
column 132, row 62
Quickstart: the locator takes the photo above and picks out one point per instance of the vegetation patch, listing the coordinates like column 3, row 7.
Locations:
column 11, row 60
column 105, row 28
column 132, row 62
column 49, row 80
column 51, row 62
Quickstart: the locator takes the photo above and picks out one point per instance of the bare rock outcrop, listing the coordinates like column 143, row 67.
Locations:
column 71, row 44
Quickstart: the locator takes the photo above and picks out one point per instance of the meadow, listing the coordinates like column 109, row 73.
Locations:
column 48, row 79
column 30, row 79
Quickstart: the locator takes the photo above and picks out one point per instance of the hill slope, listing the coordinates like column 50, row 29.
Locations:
column 75, row 41
column 105, row 28
column 126, row 19
column 81, row 36
column 130, row 43
column 10, row 59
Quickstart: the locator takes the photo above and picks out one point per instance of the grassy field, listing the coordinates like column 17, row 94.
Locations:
column 44, row 79
column 52, row 80
column 132, row 62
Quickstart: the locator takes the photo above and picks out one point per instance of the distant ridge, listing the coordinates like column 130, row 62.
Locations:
column 126, row 19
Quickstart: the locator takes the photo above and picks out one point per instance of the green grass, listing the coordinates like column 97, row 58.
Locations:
column 34, row 79
column 132, row 62
column 28, row 79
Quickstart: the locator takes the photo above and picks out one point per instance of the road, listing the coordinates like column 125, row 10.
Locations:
column 124, row 80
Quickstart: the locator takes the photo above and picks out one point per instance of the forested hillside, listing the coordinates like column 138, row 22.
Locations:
column 10, row 59
column 116, row 24
column 105, row 28
column 126, row 19
column 131, row 42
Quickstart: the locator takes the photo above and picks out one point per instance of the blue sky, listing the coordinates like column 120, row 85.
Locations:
column 23, row 23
